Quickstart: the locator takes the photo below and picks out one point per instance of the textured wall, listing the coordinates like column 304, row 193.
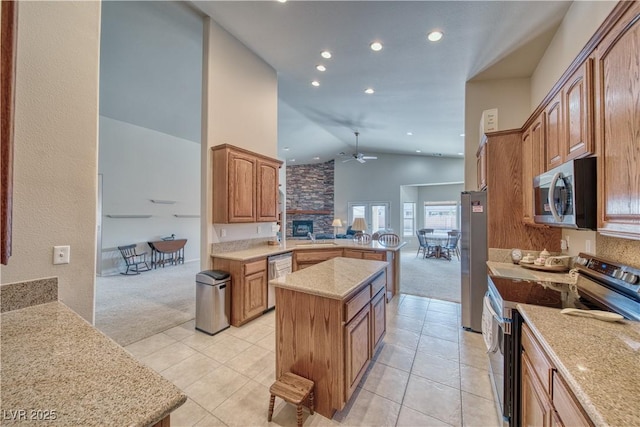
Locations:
column 56, row 147
column 310, row 187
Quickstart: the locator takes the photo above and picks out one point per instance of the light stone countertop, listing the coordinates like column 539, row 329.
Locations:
column 53, row 360
column 511, row 270
column 293, row 245
column 335, row 278
column 598, row 360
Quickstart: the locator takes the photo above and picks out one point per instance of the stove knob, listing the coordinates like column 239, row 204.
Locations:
column 630, row 278
column 617, row 273
column 582, row 261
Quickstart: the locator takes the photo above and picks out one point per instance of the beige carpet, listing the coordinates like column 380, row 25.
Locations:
column 130, row 308
column 432, row 278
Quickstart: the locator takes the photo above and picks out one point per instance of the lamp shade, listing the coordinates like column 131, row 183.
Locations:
column 359, row 224
column 336, row 223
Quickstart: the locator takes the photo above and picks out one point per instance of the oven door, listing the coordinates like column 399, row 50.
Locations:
column 494, row 338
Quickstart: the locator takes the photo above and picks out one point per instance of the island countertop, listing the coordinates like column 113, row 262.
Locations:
column 295, row 245
column 56, row 365
column 599, row 361
column 335, row 278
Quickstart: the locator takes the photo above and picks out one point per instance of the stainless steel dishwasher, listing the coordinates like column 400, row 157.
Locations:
column 278, row 266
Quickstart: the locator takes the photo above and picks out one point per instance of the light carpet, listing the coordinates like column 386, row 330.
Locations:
column 431, row 277
column 130, row 308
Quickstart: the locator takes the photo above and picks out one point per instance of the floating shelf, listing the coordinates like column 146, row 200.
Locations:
column 308, row 212
column 186, row 216
column 163, row 202
column 129, row 216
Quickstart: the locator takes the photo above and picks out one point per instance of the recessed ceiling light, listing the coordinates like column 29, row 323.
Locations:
column 316, row 158
column 315, row 83
column 325, row 54
column 376, row 46
column 410, row 133
column 418, row 151
column 286, row 148
column 282, row 1
column 292, row 160
column 369, row 91
column 434, row 36
column 321, row 67
column 462, row 134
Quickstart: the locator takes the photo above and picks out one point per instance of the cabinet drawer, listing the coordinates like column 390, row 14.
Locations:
column 355, row 304
column 317, row 256
column 374, row 255
column 255, row 266
column 378, row 283
column 539, row 362
column 568, row 409
column 351, row 253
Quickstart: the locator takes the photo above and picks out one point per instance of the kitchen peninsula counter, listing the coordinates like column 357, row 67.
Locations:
column 513, row 271
column 598, row 360
column 58, row 369
column 330, row 321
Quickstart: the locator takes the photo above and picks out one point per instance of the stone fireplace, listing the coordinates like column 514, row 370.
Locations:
column 310, row 196
column 301, row 228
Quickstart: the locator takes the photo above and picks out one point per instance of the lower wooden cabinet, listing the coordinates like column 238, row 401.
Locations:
column 254, row 298
column 378, row 319
column 307, row 258
column 546, row 400
column 357, row 344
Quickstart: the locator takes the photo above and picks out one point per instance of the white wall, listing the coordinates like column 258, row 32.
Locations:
column 56, row 147
column 139, row 165
column 380, row 180
column 509, row 96
column 240, row 107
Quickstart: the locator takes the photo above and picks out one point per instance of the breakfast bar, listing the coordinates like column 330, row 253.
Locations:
column 330, row 320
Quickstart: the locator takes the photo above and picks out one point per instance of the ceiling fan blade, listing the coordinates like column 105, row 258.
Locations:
column 370, row 157
column 361, row 160
column 348, row 160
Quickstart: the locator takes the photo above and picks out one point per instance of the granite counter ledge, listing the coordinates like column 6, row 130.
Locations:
column 598, row 360
column 514, row 271
column 336, row 278
column 53, row 360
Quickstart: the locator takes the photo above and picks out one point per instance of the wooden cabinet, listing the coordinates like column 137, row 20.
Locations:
column 245, row 186
column 618, row 127
column 481, row 161
column 553, row 132
column 303, row 258
column 364, row 254
column 546, row 400
column 357, row 344
column 532, row 161
column 248, row 288
column 378, row 319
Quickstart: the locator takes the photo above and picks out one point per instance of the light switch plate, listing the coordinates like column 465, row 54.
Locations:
column 61, row 254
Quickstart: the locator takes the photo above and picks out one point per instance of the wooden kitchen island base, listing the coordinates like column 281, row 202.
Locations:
column 330, row 320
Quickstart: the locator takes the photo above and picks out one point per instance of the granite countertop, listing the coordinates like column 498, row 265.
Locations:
column 335, row 278
column 292, row 245
column 598, row 360
column 53, row 360
column 511, row 270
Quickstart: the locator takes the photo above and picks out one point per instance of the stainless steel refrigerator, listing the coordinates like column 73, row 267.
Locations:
column 473, row 267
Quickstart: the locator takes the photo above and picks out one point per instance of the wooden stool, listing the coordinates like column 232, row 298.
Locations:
column 294, row 389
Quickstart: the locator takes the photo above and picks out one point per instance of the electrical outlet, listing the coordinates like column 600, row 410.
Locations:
column 259, row 229
column 587, row 246
column 61, row 254
column 223, row 232
column 563, row 245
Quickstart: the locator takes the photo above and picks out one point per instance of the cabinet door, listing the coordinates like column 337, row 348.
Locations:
column 352, row 253
column 242, row 182
column 578, row 102
column 378, row 319
column 536, row 408
column 618, row 128
column 255, row 294
column 267, row 191
column 568, row 410
column 374, row 255
column 554, row 136
column 357, row 349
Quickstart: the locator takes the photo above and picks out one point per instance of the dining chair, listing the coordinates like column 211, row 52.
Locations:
column 389, row 239
column 375, row 235
column 362, row 238
column 452, row 244
column 422, row 242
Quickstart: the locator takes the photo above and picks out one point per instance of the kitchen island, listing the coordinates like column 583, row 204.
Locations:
column 330, row 320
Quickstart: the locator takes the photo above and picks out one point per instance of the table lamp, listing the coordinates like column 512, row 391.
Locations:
column 336, row 224
column 359, row 225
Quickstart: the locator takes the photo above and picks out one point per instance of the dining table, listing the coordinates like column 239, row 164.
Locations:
column 435, row 242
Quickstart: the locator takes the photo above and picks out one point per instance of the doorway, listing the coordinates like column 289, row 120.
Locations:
column 375, row 214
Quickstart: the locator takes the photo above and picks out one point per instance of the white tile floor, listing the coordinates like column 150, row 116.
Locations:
column 429, row 372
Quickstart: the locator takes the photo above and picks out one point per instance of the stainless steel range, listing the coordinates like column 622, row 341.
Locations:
column 599, row 284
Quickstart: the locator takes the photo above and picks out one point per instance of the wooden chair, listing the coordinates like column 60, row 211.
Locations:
column 294, row 389
column 362, row 238
column 389, row 239
column 422, row 242
column 133, row 260
column 452, row 244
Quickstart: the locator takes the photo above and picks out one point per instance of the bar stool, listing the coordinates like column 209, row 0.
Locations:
column 294, row 389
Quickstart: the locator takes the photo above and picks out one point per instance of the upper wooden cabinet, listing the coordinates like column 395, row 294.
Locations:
column 245, row 186
column 618, row 127
column 532, row 163
column 553, row 132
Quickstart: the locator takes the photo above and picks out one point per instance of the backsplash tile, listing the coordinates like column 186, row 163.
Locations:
column 14, row 296
column 621, row 250
column 238, row 245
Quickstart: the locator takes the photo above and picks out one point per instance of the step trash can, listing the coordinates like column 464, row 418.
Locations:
column 212, row 301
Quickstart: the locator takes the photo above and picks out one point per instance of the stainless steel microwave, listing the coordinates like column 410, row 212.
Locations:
column 565, row 196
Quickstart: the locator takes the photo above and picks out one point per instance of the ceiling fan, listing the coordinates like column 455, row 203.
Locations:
column 358, row 155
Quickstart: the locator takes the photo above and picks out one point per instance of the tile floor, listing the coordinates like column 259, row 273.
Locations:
column 429, row 372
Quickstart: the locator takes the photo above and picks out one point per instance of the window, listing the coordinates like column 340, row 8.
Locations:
column 441, row 215
column 376, row 214
column 408, row 218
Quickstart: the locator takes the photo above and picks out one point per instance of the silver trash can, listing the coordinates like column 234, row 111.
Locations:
column 212, row 301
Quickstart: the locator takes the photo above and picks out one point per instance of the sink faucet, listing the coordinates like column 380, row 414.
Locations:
column 312, row 237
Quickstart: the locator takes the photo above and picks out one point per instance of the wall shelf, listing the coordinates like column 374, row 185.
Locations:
column 163, row 202
column 308, row 212
column 186, row 216
column 128, row 216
